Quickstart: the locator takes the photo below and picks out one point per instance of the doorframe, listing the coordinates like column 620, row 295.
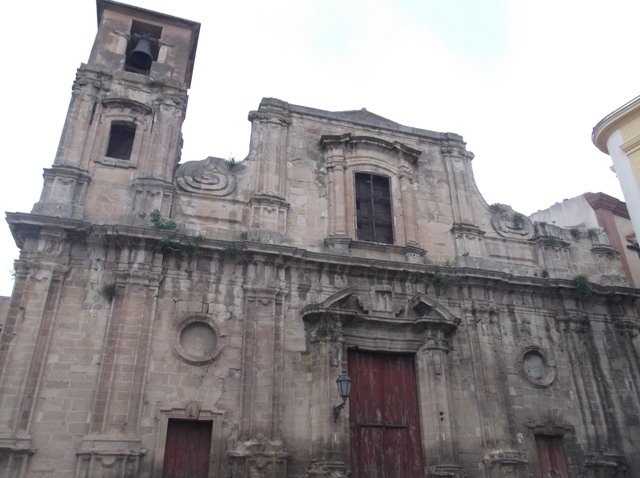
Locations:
column 190, row 411
column 550, row 427
column 355, row 318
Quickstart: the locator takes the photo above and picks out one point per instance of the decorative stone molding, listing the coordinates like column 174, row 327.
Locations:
column 269, row 212
column 456, row 150
column 338, row 244
column 465, row 229
column 64, row 192
column 414, row 253
column 272, row 110
column 126, row 105
column 548, row 235
column 211, row 176
column 509, row 223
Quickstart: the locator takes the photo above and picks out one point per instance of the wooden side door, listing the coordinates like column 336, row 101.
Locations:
column 551, row 457
column 187, row 449
column 383, row 416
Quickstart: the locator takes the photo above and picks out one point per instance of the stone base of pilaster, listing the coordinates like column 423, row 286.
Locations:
column 14, row 455
column 114, row 456
column 414, row 253
column 258, row 458
column 605, row 465
column 338, row 244
column 327, row 469
column 505, row 463
column 446, row 470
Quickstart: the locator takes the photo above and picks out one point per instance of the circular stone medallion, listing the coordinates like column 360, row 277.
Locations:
column 536, row 368
column 196, row 341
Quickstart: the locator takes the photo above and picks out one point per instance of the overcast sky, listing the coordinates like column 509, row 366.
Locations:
column 523, row 82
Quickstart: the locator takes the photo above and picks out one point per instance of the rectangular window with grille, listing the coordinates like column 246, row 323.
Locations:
column 373, row 208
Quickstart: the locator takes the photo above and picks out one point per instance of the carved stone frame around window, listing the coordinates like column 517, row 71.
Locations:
column 123, row 111
column 348, row 154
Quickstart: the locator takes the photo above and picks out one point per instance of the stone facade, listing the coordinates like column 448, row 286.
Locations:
column 599, row 210
column 151, row 295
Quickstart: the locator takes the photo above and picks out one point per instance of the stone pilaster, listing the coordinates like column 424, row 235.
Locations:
column 259, row 451
column 32, row 323
column 434, row 388
column 408, row 206
column 501, row 457
column 328, row 436
column 457, row 162
column 113, row 446
column 337, row 190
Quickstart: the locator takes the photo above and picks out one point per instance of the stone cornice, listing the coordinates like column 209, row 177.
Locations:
column 614, row 121
column 23, row 224
column 609, row 203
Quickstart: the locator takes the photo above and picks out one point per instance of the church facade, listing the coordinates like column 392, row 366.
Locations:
column 193, row 319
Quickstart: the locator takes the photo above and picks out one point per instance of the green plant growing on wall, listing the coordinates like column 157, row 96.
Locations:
column 108, row 291
column 233, row 251
column 442, row 281
column 583, row 286
column 160, row 223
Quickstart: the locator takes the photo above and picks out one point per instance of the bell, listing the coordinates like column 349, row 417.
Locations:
column 140, row 57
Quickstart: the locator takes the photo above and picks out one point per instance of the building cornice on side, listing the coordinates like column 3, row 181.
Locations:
column 612, row 122
column 604, row 201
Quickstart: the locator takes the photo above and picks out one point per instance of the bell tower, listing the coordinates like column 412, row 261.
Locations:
column 122, row 136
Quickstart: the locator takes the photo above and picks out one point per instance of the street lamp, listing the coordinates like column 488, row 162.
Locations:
column 344, row 389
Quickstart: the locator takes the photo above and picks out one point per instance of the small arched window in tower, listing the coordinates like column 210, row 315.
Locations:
column 121, row 140
column 373, row 208
column 142, row 49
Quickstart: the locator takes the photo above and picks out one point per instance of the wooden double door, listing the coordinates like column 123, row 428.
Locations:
column 384, row 416
column 187, row 449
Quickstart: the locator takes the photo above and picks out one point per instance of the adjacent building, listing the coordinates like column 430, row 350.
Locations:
column 192, row 319
column 618, row 135
column 599, row 211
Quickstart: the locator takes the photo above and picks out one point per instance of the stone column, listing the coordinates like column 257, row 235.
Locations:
column 435, row 396
column 328, row 437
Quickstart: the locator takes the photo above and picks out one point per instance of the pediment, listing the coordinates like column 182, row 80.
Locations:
column 366, row 117
column 355, row 142
column 380, row 304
